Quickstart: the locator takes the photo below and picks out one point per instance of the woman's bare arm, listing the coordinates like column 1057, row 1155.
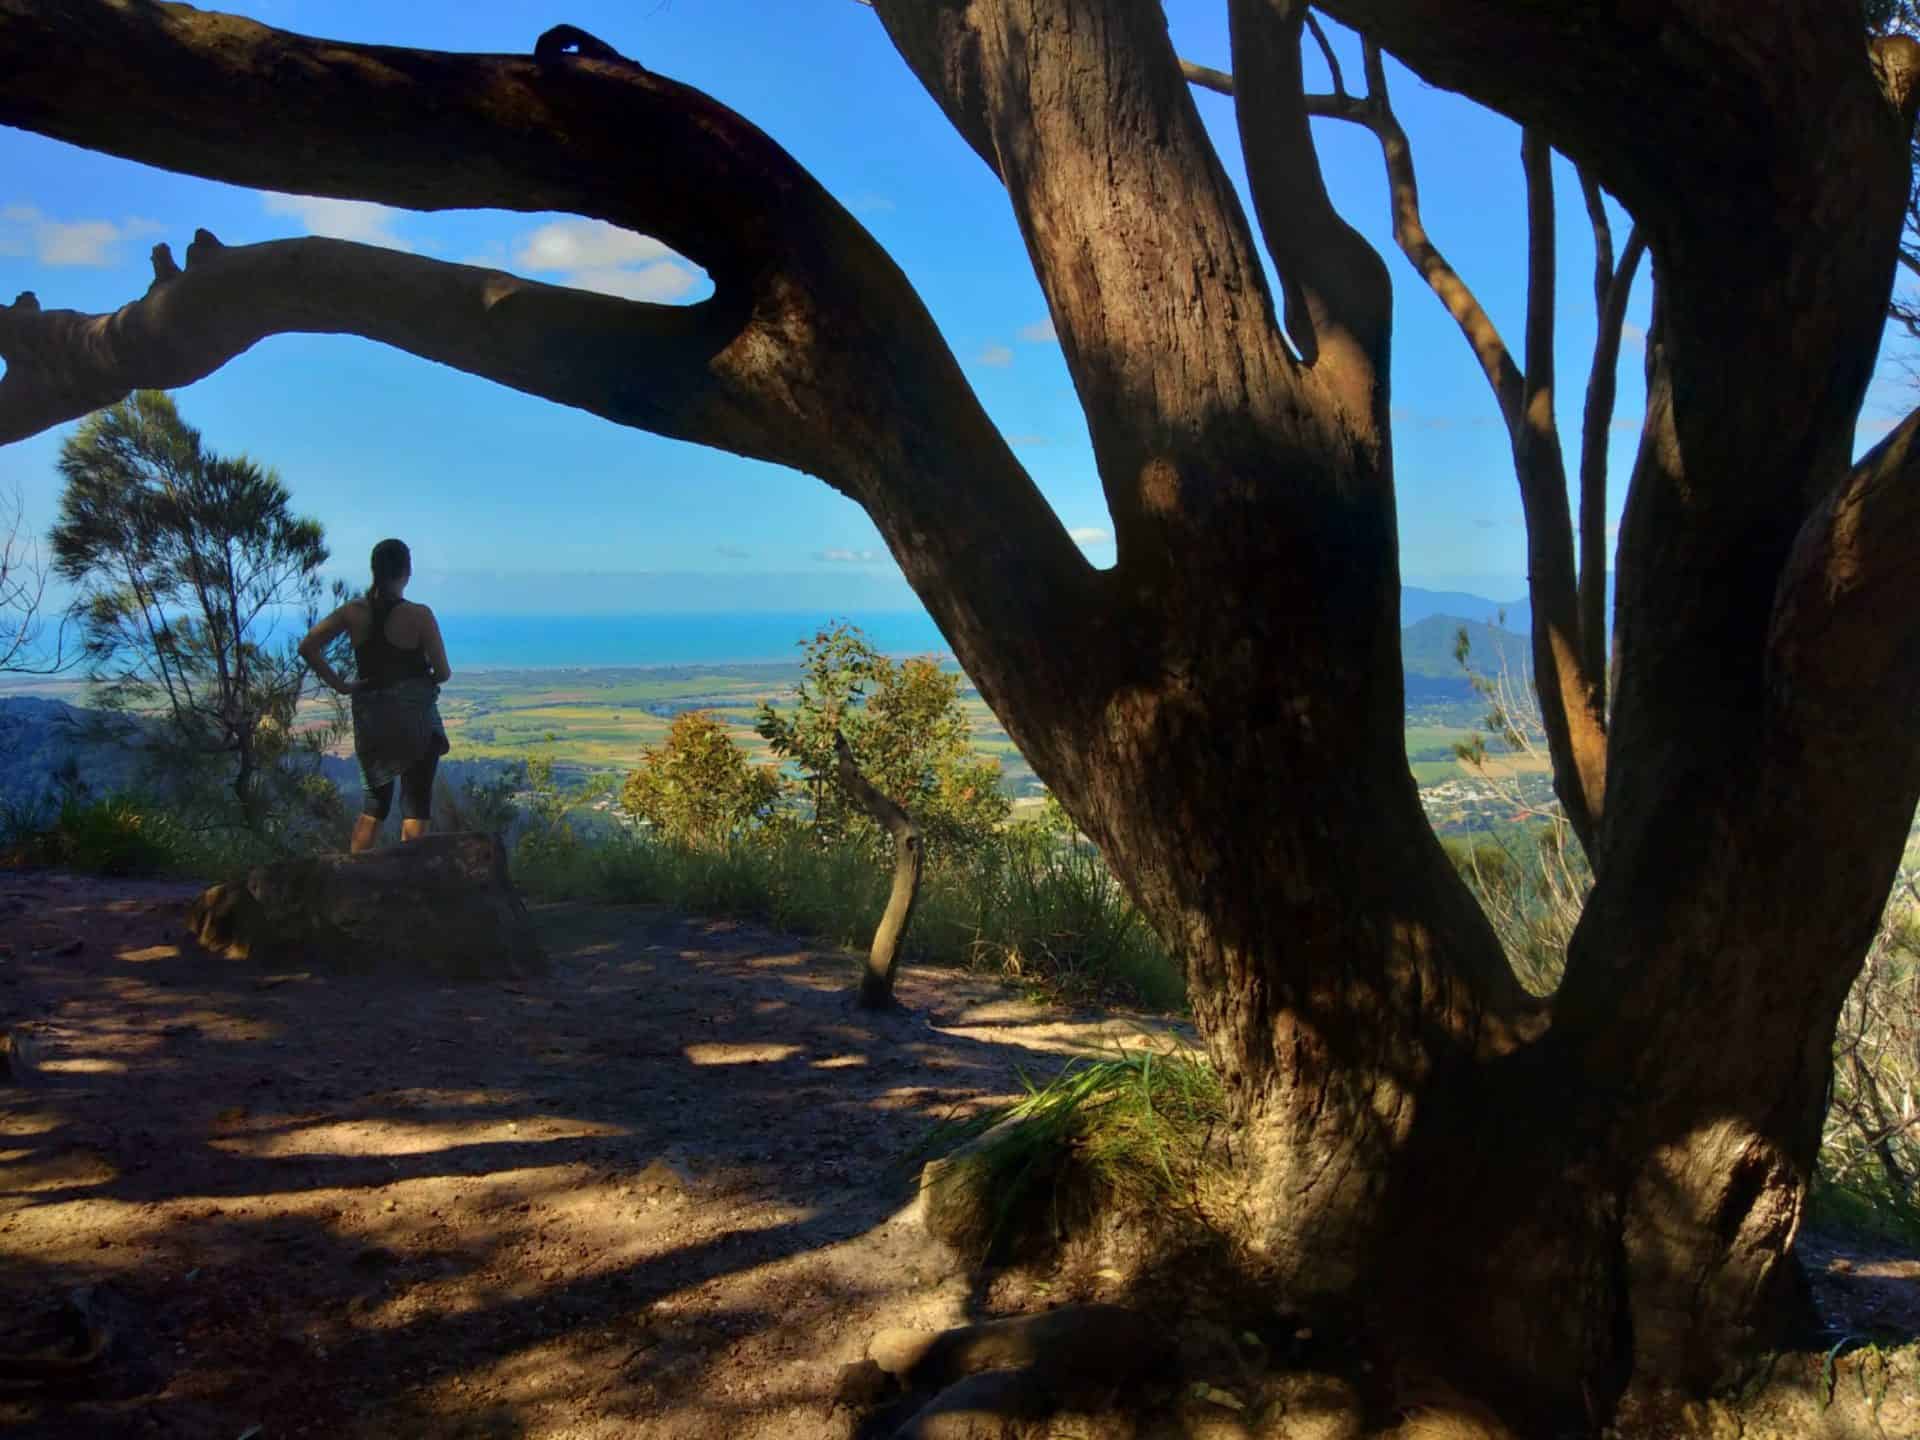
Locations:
column 434, row 647
column 313, row 649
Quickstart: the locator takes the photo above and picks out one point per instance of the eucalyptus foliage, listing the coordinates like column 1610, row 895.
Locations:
column 188, row 564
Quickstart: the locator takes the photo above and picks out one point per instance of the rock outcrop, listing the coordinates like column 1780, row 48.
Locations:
column 441, row 907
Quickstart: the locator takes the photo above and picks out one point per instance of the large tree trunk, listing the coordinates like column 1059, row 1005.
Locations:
column 1551, row 1199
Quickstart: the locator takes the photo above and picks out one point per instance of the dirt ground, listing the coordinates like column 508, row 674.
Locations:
column 661, row 1192
column 658, row 1192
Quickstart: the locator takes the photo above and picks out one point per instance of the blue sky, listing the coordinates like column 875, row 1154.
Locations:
column 512, row 503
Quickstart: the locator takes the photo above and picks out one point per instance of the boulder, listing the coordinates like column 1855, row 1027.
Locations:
column 441, row 907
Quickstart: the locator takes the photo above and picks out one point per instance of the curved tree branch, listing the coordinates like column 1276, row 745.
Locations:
column 1410, row 233
column 1602, row 235
column 1152, row 378
column 1572, row 694
column 660, row 367
column 1574, row 723
column 815, row 348
column 1327, row 54
column 1206, row 77
column 1332, row 107
column 1721, row 68
column 1844, row 647
column 883, row 956
column 1596, row 425
column 1338, row 297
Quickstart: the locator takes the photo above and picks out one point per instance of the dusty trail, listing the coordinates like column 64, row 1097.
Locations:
column 657, row 1192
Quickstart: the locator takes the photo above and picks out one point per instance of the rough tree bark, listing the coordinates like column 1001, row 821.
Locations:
column 883, row 957
column 1567, row 599
column 1558, row 1197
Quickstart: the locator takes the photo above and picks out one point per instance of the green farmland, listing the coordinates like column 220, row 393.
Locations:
column 601, row 720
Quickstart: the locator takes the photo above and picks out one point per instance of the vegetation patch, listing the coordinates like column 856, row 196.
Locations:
column 1123, row 1135
column 117, row 835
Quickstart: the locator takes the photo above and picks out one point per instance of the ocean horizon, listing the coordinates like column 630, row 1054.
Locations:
column 654, row 639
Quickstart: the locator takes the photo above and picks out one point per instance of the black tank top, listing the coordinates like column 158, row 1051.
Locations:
column 381, row 662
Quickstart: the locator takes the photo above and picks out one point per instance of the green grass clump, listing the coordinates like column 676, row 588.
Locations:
column 115, row 835
column 1127, row 1133
column 1051, row 916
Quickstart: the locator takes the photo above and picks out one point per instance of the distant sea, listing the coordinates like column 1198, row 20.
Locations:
column 538, row 642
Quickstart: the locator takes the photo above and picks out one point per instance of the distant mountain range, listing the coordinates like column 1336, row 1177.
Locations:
column 1427, row 649
column 1417, row 605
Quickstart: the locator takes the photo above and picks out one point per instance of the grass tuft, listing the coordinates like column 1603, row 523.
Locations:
column 115, row 835
column 1050, row 917
column 1129, row 1133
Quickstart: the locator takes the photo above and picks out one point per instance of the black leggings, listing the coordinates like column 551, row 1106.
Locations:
column 416, row 792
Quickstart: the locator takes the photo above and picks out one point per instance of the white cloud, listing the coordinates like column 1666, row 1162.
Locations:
column 1027, row 442
column 1039, row 333
column 360, row 220
column 996, row 355
column 1632, row 336
column 1090, row 535
column 26, row 230
column 661, row 281
column 593, row 255
column 870, row 204
column 88, row 242
column 849, row 557
column 585, row 245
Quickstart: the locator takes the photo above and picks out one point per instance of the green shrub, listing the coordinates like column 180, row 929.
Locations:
column 1128, row 1133
column 910, row 738
column 697, row 787
column 1026, row 904
column 1869, row 1172
column 116, row 835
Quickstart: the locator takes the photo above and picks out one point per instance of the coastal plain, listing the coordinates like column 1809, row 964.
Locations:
column 601, row 720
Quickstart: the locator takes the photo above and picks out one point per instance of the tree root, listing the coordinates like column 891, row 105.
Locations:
column 991, row 1377
column 55, row 1349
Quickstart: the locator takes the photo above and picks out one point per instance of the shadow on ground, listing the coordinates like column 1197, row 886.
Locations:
column 657, row 1192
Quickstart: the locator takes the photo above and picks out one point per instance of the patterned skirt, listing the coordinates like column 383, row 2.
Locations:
column 395, row 726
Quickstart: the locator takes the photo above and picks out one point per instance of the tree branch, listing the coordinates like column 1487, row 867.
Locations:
column 1206, row 77
column 1572, row 701
column 1721, row 70
column 1338, row 298
column 23, row 590
column 1596, row 426
column 1574, row 724
column 1844, row 647
column 1332, row 107
column 883, row 956
column 1602, row 235
column 659, row 367
column 814, row 351
column 419, row 129
column 1109, row 174
column 1410, row 233
column 1326, row 53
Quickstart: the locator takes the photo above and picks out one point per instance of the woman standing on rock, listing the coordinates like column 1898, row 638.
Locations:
column 401, row 663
